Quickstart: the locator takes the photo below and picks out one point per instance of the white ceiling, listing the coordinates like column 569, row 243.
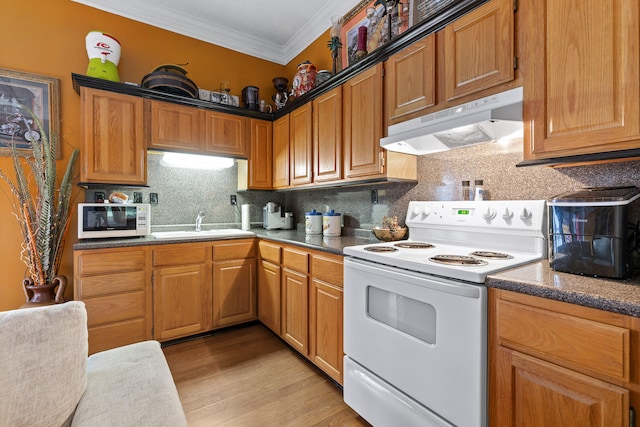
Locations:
column 273, row 30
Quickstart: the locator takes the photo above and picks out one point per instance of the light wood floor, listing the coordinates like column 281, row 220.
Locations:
column 249, row 377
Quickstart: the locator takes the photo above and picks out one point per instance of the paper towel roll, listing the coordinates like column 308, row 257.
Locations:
column 246, row 217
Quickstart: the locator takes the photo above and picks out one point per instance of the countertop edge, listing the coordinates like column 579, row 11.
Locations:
column 538, row 279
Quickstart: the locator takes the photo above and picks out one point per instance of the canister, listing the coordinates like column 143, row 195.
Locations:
column 288, row 221
column 313, row 222
column 331, row 223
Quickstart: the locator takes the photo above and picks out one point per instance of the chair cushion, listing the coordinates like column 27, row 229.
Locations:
column 130, row 386
column 43, row 359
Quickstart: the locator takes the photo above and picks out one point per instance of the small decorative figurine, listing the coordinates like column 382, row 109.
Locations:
column 281, row 97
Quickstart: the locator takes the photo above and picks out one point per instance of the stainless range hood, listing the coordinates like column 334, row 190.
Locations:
column 483, row 120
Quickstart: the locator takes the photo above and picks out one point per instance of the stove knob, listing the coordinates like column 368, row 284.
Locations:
column 416, row 211
column 526, row 214
column 489, row 214
column 507, row 214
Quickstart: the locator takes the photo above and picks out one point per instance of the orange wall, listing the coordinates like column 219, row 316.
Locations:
column 317, row 52
column 47, row 38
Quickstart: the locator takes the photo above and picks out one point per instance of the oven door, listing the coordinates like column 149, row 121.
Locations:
column 418, row 338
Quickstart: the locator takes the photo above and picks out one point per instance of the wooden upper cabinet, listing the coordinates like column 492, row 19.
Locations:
column 113, row 147
column 327, row 136
column 410, row 81
column 225, row 134
column 479, row 49
column 193, row 130
column 260, row 155
column 301, row 144
column 173, row 127
column 281, row 152
column 363, row 124
column 581, row 89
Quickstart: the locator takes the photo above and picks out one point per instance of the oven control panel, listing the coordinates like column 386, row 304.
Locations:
column 486, row 215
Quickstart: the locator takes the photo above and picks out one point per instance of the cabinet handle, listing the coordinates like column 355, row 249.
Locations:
column 632, row 417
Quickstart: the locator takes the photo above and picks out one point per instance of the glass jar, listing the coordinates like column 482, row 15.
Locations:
column 479, row 190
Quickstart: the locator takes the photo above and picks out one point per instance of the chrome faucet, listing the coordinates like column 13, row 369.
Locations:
column 199, row 220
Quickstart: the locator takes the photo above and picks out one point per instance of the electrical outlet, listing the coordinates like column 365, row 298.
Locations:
column 234, row 200
column 137, row 197
column 153, row 198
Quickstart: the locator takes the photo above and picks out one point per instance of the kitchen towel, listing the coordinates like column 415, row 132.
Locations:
column 246, row 217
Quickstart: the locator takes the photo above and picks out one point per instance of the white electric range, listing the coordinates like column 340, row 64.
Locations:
column 415, row 311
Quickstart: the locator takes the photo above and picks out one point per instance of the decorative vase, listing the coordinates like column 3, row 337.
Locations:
column 305, row 79
column 51, row 293
column 281, row 97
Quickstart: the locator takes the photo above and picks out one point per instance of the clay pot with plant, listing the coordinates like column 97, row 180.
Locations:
column 42, row 207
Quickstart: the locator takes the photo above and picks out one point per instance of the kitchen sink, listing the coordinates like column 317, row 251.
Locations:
column 223, row 232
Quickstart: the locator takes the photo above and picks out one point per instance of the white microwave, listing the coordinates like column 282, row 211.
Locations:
column 103, row 220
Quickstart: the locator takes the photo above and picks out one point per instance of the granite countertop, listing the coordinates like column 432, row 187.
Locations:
column 538, row 279
column 295, row 237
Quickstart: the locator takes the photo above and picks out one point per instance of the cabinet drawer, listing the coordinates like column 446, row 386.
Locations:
column 270, row 252
column 100, row 262
column 295, row 260
column 234, row 250
column 329, row 270
column 118, row 334
column 564, row 339
column 92, row 286
column 180, row 255
column 114, row 308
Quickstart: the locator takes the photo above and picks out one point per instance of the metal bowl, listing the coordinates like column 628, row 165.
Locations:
column 386, row 235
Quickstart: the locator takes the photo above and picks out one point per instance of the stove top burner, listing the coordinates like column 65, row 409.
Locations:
column 414, row 245
column 461, row 260
column 491, row 255
column 380, row 249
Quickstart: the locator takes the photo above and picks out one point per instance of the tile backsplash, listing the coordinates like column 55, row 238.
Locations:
column 182, row 193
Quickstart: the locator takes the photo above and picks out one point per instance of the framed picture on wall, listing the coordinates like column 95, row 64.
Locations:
column 39, row 94
column 421, row 10
column 372, row 15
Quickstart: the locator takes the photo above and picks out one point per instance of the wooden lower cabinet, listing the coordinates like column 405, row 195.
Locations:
column 300, row 297
column 269, row 285
column 181, row 290
column 234, row 282
column 325, row 314
column 295, row 309
column 553, row 363
column 115, row 287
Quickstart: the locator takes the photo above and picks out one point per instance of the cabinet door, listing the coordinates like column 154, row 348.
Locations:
column 113, row 149
column 260, row 155
column 479, row 49
column 537, row 393
column 269, row 295
column 301, row 144
column 281, row 152
column 225, row 134
column 326, row 326
column 182, row 298
column 295, row 310
column 581, row 92
column 234, row 292
column 410, row 81
column 362, row 121
column 173, row 127
column 327, row 136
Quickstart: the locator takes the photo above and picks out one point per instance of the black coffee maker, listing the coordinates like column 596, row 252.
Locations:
column 251, row 97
